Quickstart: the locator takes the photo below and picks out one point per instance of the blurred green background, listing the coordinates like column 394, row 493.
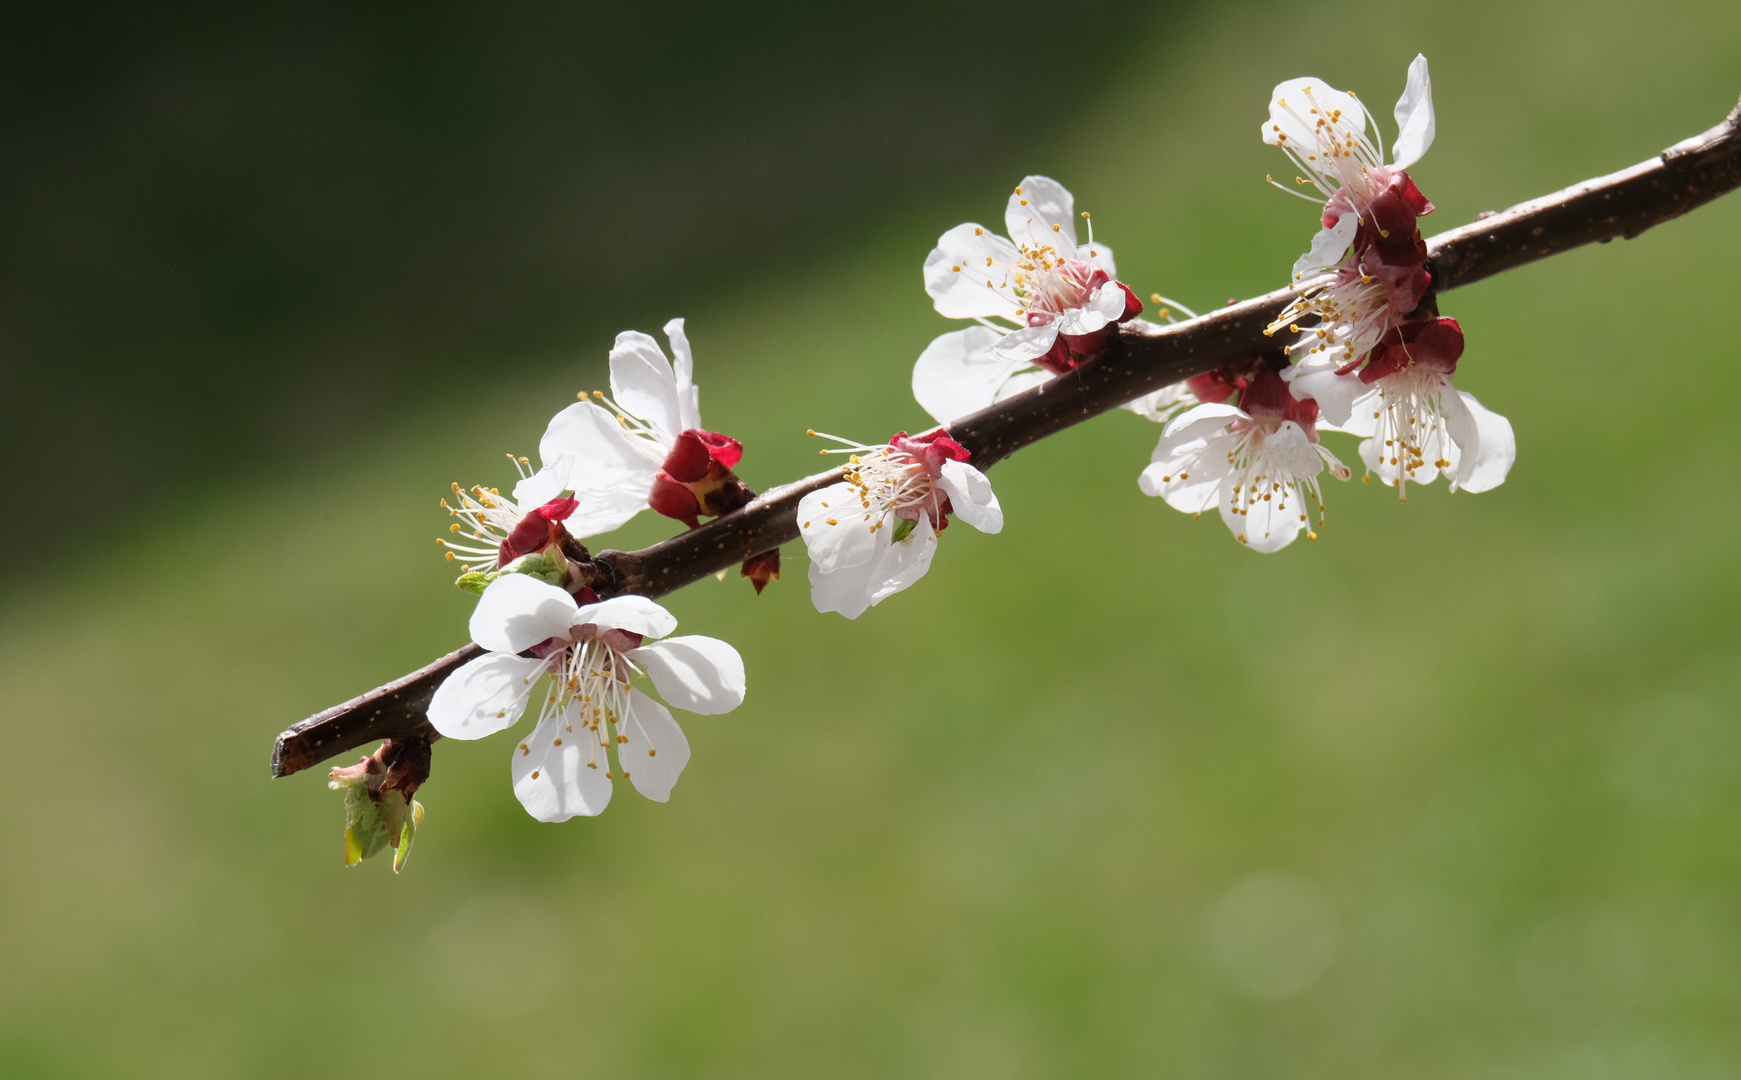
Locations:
column 1453, row 792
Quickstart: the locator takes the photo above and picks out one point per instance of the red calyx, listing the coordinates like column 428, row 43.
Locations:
column 1434, row 343
column 675, row 500
column 1389, row 227
column 932, row 448
column 1132, row 306
column 697, row 451
column 1265, row 395
column 1214, row 387
column 538, row 529
column 1069, row 351
column 697, row 479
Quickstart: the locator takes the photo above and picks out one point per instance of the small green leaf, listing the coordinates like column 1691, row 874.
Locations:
column 407, row 833
column 474, row 581
column 366, row 826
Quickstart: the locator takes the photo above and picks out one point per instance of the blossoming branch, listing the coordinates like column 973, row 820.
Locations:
column 1354, row 344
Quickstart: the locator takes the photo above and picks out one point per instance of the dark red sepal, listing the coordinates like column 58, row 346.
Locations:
column 1132, row 306
column 674, row 500
column 1434, row 343
column 1213, row 387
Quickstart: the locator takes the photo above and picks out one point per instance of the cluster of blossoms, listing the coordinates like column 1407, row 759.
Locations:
column 1365, row 352
column 1376, row 361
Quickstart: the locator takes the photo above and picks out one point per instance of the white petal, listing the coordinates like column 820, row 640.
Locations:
column 555, row 780
column 683, row 367
column 603, row 511
column 516, row 612
column 1163, row 404
column 1200, row 421
column 1328, row 248
column 1496, row 448
column 604, row 455
column 1290, row 111
column 1026, row 345
column 1035, row 207
column 644, row 384
column 656, row 752
column 1415, row 124
column 837, row 528
column 970, row 496
column 701, row 674
column 484, row 695
column 903, row 563
column 545, row 484
column 957, row 374
column 846, row 590
column 1343, row 400
column 1190, row 460
column 636, row 614
column 957, row 273
column 1105, row 305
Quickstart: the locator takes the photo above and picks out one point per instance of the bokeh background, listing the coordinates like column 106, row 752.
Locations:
column 1453, row 792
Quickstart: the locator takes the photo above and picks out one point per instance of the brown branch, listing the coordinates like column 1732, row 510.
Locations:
column 1143, row 358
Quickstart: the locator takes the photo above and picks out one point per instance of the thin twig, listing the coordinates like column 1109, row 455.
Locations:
column 1143, row 358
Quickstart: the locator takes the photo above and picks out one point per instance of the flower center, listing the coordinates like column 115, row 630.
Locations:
column 590, row 683
column 1340, row 155
column 1048, row 284
column 1409, row 429
column 484, row 515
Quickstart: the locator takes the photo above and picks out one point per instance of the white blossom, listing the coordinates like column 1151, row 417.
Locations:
column 1258, row 465
column 1414, row 423
column 590, row 710
column 487, row 518
column 1055, row 301
column 615, row 446
column 874, row 533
